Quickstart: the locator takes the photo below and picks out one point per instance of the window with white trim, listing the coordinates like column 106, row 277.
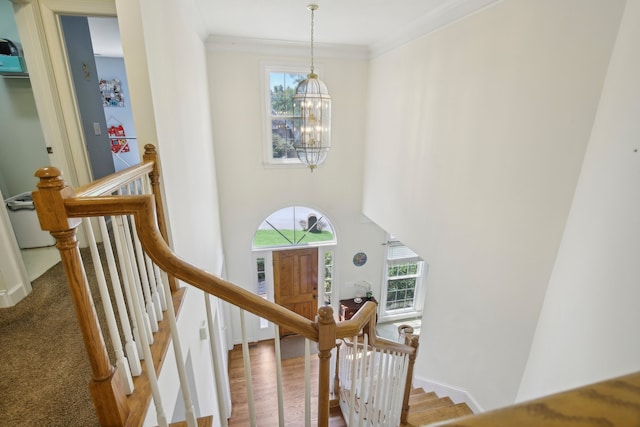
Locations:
column 262, row 285
column 280, row 83
column 403, row 277
column 328, row 277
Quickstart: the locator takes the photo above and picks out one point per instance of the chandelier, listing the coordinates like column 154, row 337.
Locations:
column 312, row 115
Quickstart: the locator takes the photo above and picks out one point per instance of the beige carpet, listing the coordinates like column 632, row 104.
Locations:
column 44, row 371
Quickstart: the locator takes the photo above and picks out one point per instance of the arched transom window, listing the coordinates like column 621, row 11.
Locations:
column 294, row 226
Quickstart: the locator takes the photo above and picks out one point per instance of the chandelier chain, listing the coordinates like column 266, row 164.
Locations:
column 312, row 8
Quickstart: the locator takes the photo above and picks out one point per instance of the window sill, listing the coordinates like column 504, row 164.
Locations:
column 392, row 317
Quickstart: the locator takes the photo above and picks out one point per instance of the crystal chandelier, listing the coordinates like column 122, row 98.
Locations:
column 312, row 116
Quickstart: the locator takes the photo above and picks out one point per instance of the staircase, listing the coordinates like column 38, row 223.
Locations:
column 427, row 407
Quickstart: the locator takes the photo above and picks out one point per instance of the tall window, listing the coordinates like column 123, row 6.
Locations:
column 328, row 277
column 280, row 83
column 404, row 269
column 282, row 87
column 262, row 286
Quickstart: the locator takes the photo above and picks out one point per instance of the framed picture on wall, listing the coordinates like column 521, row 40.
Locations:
column 111, row 92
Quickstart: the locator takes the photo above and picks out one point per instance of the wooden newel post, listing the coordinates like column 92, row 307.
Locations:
column 107, row 393
column 410, row 340
column 150, row 154
column 326, row 342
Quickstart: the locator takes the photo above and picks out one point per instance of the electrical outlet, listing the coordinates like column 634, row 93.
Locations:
column 203, row 330
column 96, row 129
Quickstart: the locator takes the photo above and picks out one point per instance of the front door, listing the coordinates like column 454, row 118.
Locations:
column 295, row 278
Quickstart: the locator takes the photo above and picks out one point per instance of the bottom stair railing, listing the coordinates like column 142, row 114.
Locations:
column 140, row 297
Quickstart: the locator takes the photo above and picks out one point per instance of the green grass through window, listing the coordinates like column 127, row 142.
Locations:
column 267, row 238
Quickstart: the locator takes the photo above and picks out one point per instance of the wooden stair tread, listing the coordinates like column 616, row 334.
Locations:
column 417, row 398
column 438, row 414
column 418, row 390
column 430, row 404
column 202, row 422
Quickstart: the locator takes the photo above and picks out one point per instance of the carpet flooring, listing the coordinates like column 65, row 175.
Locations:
column 44, row 370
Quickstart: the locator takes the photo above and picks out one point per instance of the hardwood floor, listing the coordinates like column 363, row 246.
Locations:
column 263, row 371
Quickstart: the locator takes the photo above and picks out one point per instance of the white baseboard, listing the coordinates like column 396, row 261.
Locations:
column 457, row 395
column 13, row 296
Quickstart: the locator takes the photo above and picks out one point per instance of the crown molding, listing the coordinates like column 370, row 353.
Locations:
column 447, row 14
column 217, row 43
column 441, row 17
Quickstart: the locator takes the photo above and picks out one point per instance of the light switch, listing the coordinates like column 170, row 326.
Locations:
column 96, row 128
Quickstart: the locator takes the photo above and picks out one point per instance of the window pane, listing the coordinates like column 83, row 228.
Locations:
column 292, row 226
column 282, row 87
column 328, row 277
column 262, row 291
column 262, row 287
column 403, row 271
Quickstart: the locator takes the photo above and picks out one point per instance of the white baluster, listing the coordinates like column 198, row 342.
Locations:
column 160, row 280
column 130, row 346
column 144, row 278
column 127, row 279
column 182, row 374
column 399, row 389
column 276, row 331
column 153, row 286
column 218, row 374
column 135, row 275
column 352, row 382
column 363, row 379
column 393, row 362
column 112, row 326
column 148, row 361
column 384, row 395
column 371, row 392
column 307, row 383
column 247, row 371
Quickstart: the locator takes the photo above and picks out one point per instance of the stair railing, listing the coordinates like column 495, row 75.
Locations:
column 138, row 300
column 374, row 379
column 126, row 216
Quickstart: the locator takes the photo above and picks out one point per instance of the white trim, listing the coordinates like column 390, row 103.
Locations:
column 419, row 289
column 218, row 43
column 14, row 280
column 457, row 395
column 14, row 295
column 449, row 13
column 267, row 67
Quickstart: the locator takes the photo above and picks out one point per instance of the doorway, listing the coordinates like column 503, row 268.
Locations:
column 96, row 64
column 295, row 275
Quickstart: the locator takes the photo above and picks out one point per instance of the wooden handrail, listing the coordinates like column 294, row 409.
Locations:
column 142, row 208
column 60, row 210
column 613, row 402
column 110, row 184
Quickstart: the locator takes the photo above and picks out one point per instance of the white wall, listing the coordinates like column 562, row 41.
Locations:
column 250, row 192
column 166, row 69
column 178, row 79
column 476, row 135
column 589, row 322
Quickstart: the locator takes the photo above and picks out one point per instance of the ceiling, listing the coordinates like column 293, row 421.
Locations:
column 376, row 24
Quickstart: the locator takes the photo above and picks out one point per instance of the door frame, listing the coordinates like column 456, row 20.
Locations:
column 298, row 255
column 49, row 72
column 267, row 332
